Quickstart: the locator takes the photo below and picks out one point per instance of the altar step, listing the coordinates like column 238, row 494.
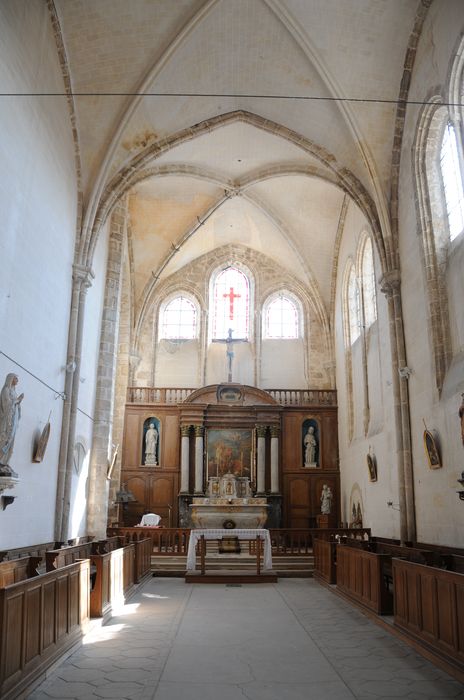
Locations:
column 232, row 577
column 284, row 567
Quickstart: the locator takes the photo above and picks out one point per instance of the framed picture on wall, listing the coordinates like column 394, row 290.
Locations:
column 372, row 467
column 230, row 451
column 432, row 450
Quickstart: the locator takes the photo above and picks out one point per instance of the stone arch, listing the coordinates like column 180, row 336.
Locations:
column 125, row 178
column 431, row 216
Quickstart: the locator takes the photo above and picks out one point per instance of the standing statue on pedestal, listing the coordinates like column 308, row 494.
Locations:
column 326, row 500
column 310, row 444
column 151, row 443
column 10, row 413
column 461, row 416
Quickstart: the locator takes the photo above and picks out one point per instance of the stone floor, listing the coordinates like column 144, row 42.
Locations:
column 293, row 640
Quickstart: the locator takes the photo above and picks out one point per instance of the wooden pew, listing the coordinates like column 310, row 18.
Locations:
column 143, row 549
column 360, row 576
column 55, row 606
column 429, row 609
column 325, row 560
column 15, row 570
column 57, row 558
column 114, row 580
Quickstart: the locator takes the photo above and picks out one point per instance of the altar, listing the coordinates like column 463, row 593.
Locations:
column 229, row 503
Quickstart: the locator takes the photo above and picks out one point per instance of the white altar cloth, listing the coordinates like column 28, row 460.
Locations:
column 216, row 534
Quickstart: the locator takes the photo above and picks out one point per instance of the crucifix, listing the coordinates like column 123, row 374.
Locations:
column 229, row 341
column 231, row 296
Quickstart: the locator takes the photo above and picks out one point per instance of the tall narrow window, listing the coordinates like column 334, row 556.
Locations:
column 368, row 285
column 179, row 320
column 281, row 319
column 452, row 182
column 231, row 298
column 354, row 307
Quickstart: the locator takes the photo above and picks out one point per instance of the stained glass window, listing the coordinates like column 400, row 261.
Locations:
column 179, row 320
column 231, row 298
column 281, row 318
column 452, row 182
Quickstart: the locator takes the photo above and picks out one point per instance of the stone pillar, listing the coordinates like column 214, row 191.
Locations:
column 275, row 432
column 390, row 286
column 184, row 458
column 261, row 465
column 199, row 432
column 97, row 504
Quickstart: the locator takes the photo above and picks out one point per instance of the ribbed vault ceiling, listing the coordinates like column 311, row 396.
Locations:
column 227, row 49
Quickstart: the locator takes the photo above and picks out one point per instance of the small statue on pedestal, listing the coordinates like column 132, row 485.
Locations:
column 326, row 500
column 10, row 413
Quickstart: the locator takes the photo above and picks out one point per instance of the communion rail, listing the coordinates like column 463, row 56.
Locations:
column 284, row 541
column 284, row 397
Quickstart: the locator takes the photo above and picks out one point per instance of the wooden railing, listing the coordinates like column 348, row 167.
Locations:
column 164, row 540
column 285, row 541
column 284, row 397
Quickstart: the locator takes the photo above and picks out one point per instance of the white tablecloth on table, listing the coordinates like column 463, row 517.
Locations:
column 216, row 534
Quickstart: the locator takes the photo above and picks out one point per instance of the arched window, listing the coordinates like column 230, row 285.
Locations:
column 231, row 304
column 354, row 310
column 368, row 284
column 179, row 320
column 281, row 318
column 452, row 181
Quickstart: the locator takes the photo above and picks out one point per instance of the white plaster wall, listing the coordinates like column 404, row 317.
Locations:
column 283, row 364
column 439, row 513
column 380, row 438
column 87, row 385
column 177, row 364
column 38, row 205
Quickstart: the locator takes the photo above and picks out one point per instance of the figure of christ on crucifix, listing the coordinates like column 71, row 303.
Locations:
column 229, row 341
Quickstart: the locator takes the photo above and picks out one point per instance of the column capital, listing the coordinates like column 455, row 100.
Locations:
column 275, row 431
column 389, row 282
column 261, row 430
column 185, row 430
column 83, row 274
column 199, row 430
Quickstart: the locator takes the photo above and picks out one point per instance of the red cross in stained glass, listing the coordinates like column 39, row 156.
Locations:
column 231, row 297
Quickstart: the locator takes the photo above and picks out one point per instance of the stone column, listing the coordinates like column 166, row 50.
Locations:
column 199, row 432
column 184, row 458
column 275, row 432
column 97, row 504
column 261, row 465
column 390, row 286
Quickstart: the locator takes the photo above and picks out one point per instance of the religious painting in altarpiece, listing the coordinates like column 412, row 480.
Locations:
column 230, row 451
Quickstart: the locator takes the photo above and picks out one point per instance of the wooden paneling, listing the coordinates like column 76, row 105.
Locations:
column 324, row 560
column 30, row 612
column 429, row 606
column 360, row 576
column 132, row 440
column 114, row 579
column 298, row 510
column 171, row 442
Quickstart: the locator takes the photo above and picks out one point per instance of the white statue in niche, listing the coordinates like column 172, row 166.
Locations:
column 10, row 413
column 326, row 500
column 310, row 444
column 151, row 443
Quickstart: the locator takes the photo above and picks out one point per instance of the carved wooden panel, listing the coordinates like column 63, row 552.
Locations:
column 132, row 446
column 292, row 456
column 297, row 501
column 171, row 442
